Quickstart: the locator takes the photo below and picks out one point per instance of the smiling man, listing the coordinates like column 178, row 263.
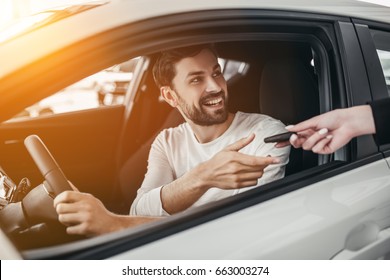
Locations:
column 215, row 153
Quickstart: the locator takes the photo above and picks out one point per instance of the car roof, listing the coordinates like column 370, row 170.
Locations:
column 71, row 29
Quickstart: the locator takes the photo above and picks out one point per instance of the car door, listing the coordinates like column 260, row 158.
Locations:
column 374, row 39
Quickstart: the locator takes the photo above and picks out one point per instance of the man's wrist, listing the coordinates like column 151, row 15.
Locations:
column 198, row 177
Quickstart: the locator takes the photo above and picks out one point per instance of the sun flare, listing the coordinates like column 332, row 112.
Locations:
column 11, row 10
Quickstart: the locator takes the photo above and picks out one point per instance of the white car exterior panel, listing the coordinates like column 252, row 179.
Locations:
column 86, row 24
column 311, row 223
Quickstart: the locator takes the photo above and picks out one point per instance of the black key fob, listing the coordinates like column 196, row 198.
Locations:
column 282, row 137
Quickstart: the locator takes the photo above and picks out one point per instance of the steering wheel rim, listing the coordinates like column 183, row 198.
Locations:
column 33, row 221
column 47, row 165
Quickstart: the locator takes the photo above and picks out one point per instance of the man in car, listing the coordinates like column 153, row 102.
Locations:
column 213, row 155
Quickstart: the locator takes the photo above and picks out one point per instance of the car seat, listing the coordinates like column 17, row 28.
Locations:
column 133, row 170
column 289, row 92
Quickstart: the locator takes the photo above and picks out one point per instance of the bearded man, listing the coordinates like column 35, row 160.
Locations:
column 214, row 154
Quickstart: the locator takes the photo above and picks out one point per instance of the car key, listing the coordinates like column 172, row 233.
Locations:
column 282, row 137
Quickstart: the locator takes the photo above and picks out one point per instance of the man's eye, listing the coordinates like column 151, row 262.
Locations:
column 195, row 80
column 217, row 74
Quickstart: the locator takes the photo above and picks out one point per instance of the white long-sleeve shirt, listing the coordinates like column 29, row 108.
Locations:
column 175, row 151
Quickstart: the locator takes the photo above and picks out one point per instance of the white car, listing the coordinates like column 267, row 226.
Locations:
column 287, row 59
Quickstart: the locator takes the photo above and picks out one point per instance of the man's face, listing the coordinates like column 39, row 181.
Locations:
column 201, row 89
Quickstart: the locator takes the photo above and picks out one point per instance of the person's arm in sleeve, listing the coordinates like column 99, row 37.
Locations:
column 159, row 173
column 381, row 115
column 228, row 169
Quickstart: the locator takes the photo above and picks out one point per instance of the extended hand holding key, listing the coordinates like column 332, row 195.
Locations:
column 326, row 133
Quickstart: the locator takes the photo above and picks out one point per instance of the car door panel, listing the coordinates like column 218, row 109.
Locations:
column 376, row 243
column 318, row 217
column 83, row 143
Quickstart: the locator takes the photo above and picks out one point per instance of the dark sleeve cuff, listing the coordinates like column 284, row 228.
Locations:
column 381, row 113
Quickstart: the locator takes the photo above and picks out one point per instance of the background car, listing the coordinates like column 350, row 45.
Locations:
column 289, row 60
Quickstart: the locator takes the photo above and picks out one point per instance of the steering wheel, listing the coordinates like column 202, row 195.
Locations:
column 33, row 221
column 56, row 181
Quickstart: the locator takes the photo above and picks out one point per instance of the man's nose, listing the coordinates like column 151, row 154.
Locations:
column 212, row 85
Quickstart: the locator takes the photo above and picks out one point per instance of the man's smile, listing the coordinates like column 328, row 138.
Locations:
column 213, row 102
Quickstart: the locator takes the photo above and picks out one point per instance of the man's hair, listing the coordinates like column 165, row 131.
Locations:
column 164, row 69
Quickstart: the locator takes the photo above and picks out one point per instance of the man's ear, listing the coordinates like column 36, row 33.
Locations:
column 168, row 95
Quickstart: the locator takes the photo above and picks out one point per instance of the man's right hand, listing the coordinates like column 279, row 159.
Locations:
column 230, row 169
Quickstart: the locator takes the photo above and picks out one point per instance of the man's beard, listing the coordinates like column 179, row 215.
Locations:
column 202, row 117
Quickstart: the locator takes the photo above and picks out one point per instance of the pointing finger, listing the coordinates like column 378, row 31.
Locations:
column 240, row 143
